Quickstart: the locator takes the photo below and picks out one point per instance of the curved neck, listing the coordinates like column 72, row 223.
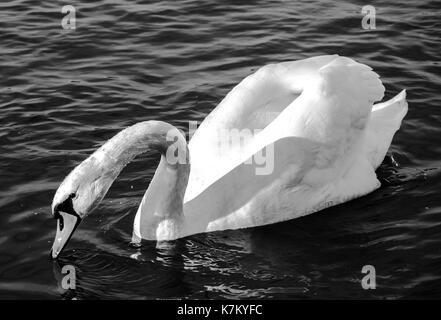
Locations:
column 166, row 191
column 143, row 136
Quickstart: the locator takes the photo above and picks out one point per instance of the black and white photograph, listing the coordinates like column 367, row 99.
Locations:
column 240, row 150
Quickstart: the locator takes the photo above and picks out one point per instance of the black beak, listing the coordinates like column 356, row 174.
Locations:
column 67, row 221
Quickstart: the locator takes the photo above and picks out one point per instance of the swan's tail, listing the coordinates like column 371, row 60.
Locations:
column 385, row 120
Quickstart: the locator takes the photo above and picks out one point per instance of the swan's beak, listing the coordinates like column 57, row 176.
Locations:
column 66, row 225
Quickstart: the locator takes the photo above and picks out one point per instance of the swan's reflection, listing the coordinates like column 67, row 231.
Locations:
column 290, row 259
column 150, row 272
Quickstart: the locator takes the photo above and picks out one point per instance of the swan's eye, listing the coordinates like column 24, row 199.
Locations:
column 72, row 195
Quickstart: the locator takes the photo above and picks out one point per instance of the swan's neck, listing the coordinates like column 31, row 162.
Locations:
column 160, row 214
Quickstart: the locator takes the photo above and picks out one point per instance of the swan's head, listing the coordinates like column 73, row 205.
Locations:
column 78, row 195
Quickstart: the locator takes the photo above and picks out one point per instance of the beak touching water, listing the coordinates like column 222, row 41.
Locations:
column 66, row 225
column 83, row 189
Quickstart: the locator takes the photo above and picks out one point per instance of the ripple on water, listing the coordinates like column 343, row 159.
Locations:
column 64, row 93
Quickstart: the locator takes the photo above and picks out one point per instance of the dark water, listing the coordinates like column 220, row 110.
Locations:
column 63, row 93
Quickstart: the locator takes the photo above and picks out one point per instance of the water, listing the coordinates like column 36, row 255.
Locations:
column 63, row 93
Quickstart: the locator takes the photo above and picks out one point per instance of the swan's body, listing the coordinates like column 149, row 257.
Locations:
column 316, row 122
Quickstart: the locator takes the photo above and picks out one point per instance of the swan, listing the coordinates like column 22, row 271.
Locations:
column 313, row 121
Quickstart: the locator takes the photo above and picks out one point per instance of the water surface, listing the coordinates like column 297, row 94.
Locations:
column 65, row 92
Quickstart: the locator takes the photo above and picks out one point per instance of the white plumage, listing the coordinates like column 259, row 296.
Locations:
column 328, row 140
column 313, row 122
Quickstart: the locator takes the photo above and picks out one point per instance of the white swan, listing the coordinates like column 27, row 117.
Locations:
column 317, row 126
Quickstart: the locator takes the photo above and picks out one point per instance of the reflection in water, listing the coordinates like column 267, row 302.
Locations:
column 100, row 275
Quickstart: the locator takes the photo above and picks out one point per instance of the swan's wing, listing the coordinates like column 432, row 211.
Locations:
column 259, row 98
column 385, row 120
column 282, row 164
column 250, row 106
column 337, row 106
